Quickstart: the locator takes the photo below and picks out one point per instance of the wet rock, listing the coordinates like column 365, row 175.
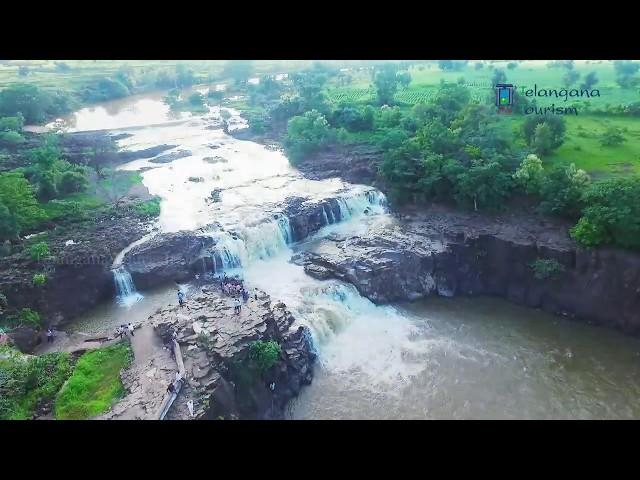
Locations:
column 167, row 257
column 170, row 157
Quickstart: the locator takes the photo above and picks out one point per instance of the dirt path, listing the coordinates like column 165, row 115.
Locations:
column 146, row 379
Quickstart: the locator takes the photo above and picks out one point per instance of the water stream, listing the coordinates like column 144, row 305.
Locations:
column 439, row 358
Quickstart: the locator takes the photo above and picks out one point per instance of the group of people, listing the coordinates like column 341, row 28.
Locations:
column 235, row 288
column 123, row 329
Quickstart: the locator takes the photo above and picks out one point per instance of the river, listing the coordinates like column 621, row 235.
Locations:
column 460, row 358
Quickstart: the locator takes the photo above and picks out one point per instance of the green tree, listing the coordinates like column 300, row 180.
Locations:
column 26, row 99
column 306, row 134
column 39, row 251
column 611, row 214
column 589, row 81
column 12, row 124
column 570, row 78
column 485, row 184
column 8, row 224
column 498, row 77
column 386, row 82
column 562, row 191
column 542, row 142
column 556, row 125
column 72, row 182
column 612, row 137
column 264, row 355
column 530, row 175
column 18, row 197
column 625, row 73
column 404, row 79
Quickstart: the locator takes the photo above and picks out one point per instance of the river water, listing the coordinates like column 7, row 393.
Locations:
column 461, row 358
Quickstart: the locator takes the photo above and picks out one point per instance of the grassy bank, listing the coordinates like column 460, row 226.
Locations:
column 95, row 384
column 27, row 382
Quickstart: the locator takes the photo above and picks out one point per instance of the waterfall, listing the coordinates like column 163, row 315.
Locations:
column 324, row 215
column 258, row 242
column 125, row 288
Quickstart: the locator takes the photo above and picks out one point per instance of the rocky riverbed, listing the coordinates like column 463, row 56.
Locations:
column 215, row 346
column 437, row 251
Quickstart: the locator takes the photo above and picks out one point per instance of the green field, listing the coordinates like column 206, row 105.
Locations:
column 582, row 145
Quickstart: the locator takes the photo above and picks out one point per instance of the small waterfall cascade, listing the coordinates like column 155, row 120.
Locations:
column 126, row 293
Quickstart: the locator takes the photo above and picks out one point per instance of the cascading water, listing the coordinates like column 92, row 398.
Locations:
column 125, row 288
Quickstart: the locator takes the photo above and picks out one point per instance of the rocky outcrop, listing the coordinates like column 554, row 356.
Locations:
column 169, row 257
column 170, row 157
column 215, row 343
column 354, row 164
column 454, row 253
column 78, row 272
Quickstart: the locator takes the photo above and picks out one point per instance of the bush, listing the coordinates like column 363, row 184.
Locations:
column 95, row 384
column 612, row 137
column 546, row 268
column 257, row 122
column 150, row 208
column 307, row 134
column 12, row 124
column 30, row 318
column 611, row 215
column 530, row 175
column 26, row 382
column 562, row 191
column 39, row 251
column 11, row 139
column 39, row 279
column 264, row 355
column 72, row 182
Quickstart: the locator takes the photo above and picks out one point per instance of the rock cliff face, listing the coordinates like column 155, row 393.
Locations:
column 78, row 274
column 447, row 253
column 215, row 345
column 169, row 257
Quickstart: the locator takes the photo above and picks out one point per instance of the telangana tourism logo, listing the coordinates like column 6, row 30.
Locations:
column 505, row 99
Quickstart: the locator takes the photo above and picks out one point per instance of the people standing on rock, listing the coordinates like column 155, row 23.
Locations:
column 119, row 332
column 123, row 329
column 245, row 295
column 181, row 298
column 236, row 306
column 130, row 327
column 49, row 335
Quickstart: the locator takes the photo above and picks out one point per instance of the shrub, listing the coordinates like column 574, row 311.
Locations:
column 264, row 355
column 562, row 191
column 11, row 138
column 39, row 251
column 150, row 208
column 12, row 124
column 307, row 134
column 39, row 279
column 611, row 215
column 72, row 182
column 612, row 137
column 546, row 268
column 27, row 381
column 30, row 318
column 530, row 174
